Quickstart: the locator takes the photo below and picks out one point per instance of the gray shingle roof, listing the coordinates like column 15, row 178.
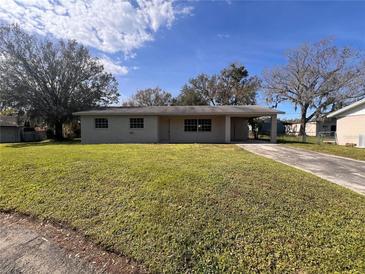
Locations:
column 8, row 121
column 183, row 110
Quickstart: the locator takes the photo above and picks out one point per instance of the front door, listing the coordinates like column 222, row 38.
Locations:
column 164, row 129
column 239, row 129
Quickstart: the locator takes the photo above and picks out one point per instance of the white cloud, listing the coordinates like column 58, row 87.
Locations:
column 223, row 35
column 185, row 10
column 110, row 26
column 113, row 67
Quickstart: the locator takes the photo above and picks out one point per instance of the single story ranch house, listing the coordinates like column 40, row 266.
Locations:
column 171, row 124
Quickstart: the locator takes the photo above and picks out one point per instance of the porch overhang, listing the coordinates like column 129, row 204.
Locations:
column 273, row 129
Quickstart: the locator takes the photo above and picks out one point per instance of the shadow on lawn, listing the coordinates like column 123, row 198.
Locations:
column 44, row 143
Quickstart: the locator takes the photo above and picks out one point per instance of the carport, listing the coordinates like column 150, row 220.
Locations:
column 236, row 127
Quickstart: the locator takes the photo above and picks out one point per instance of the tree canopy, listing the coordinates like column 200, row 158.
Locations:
column 50, row 79
column 150, row 97
column 316, row 78
column 232, row 86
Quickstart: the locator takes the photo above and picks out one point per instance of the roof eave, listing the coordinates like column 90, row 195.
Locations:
column 10, row 126
column 176, row 114
column 345, row 109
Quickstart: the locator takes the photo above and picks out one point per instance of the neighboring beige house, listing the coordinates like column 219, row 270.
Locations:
column 9, row 129
column 171, row 124
column 312, row 128
column 351, row 124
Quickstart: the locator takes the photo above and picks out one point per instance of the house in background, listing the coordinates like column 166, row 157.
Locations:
column 350, row 124
column 264, row 126
column 172, row 124
column 10, row 130
column 313, row 128
column 13, row 131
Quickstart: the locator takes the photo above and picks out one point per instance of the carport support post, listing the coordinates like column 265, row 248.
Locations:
column 228, row 129
column 274, row 125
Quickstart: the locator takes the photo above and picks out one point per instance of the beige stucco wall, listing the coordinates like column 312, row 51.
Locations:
column 118, row 130
column 178, row 135
column 159, row 129
column 349, row 128
column 310, row 129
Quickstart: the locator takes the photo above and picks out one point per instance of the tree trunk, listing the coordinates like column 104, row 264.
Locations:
column 303, row 123
column 253, row 125
column 58, row 130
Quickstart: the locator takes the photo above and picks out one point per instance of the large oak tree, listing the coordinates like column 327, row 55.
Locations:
column 150, row 97
column 317, row 78
column 51, row 79
column 232, row 86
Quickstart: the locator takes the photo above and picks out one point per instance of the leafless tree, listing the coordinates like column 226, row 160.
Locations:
column 316, row 78
column 150, row 97
column 50, row 80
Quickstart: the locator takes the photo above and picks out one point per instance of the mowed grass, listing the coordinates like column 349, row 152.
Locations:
column 311, row 144
column 343, row 151
column 189, row 208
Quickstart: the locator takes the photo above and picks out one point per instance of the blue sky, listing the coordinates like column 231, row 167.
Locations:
column 164, row 43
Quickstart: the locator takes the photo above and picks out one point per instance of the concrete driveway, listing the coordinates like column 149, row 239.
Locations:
column 343, row 171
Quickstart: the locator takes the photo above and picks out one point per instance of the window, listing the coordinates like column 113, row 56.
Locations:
column 333, row 127
column 195, row 125
column 204, row 125
column 136, row 123
column 190, row 125
column 101, row 123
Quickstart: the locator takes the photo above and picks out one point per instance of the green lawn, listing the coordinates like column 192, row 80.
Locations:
column 311, row 144
column 349, row 152
column 189, row 208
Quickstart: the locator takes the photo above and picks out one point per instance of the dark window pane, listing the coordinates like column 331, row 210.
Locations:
column 190, row 125
column 136, row 123
column 101, row 123
column 204, row 125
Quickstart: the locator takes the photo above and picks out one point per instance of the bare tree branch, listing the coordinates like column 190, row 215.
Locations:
column 316, row 78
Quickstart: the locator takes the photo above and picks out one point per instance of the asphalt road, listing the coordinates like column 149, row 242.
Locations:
column 343, row 171
column 23, row 250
